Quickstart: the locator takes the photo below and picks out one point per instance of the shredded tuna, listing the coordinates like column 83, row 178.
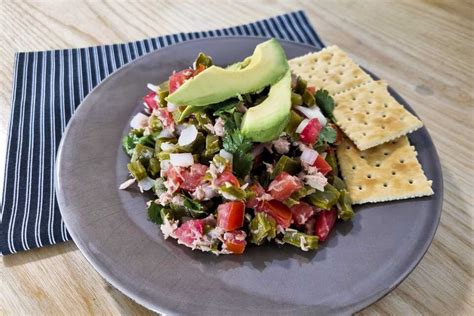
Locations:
column 204, row 192
column 281, row 145
column 168, row 228
column 316, row 180
column 269, row 167
column 219, row 127
column 177, row 200
column 165, row 198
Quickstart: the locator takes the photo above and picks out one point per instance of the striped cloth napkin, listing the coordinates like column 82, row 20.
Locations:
column 47, row 88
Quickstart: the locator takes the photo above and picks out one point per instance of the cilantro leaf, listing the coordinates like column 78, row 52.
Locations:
column 327, row 135
column 154, row 213
column 325, row 102
column 193, row 208
column 234, row 142
column 242, row 164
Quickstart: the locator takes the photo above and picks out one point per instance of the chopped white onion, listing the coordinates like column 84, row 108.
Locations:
column 171, row 107
column 226, row 155
column 180, row 127
column 166, row 146
column 164, row 165
column 309, row 156
column 302, row 125
column 127, row 183
column 165, row 133
column 152, row 87
column 139, row 121
column 188, row 135
column 313, row 112
column 182, row 160
column 324, row 154
column 146, row 184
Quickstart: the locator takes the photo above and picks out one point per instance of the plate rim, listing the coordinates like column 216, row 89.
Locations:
column 109, row 277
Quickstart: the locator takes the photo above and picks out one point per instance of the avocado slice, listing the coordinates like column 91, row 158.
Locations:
column 266, row 66
column 267, row 120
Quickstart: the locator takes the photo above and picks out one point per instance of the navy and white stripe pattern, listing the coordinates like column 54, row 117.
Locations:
column 47, row 88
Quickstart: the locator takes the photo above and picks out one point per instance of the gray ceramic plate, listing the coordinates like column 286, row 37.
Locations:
column 362, row 261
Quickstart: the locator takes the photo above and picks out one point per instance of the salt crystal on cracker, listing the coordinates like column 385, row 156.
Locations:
column 387, row 172
column 330, row 69
column 370, row 116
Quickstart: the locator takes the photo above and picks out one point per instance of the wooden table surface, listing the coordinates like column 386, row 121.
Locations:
column 424, row 49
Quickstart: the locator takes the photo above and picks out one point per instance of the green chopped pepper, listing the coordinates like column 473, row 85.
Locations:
column 296, row 99
column 262, row 227
column 285, row 163
column 137, row 170
column 332, row 161
column 204, row 60
column 301, row 85
column 154, row 167
column 231, row 192
column 308, row 99
column 212, row 145
column 154, row 213
column 301, row 240
column 143, row 154
column 344, row 210
column 162, row 94
column 324, row 200
column 293, row 122
column 338, row 183
column 188, row 111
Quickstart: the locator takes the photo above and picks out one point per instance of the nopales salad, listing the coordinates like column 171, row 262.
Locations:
column 222, row 178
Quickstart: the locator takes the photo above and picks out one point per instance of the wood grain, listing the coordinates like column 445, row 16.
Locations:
column 424, row 49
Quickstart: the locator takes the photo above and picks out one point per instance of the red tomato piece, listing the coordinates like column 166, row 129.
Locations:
column 193, row 176
column 324, row 222
column 258, row 190
column 227, row 176
column 283, row 186
column 311, row 89
column 310, row 133
column 279, row 211
column 235, row 241
column 150, row 101
column 230, row 215
column 322, row 165
column 190, row 231
column 301, row 213
column 177, row 79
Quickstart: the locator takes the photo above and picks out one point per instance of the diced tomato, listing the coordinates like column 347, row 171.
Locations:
column 322, row 165
column 190, row 231
column 339, row 134
column 177, row 79
column 283, row 186
column 230, row 215
column 301, row 213
column 235, row 241
column 279, row 211
column 258, row 190
column 227, row 176
column 150, row 101
column 310, row 133
column 193, row 176
column 199, row 69
column 165, row 117
column 311, row 89
column 324, row 222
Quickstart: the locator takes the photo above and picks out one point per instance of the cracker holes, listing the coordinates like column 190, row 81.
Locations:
column 368, row 113
column 360, row 188
column 362, row 157
column 411, row 181
column 352, row 109
column 383, row 126
column 393, row 173
column 299, row 65
column 349, row 119
column 341, row 73
column 377, row 164
column 394, row 142
column 371, row 91
column 344, row 65
column 315, row 60
column 402, row 161
column 310, row 76
column 354, row 168
column 364, row 134
column 385, row 185
column 384, row 115
column 369, row 176
column 312, row 68
column 402, row 118
column 365, row 123
column 385, row 105
column 356, row 76
column 338, row 81
column 326, row 71
column 348, row 147
column 353, row 98
column 386, row 153
column 369, row 102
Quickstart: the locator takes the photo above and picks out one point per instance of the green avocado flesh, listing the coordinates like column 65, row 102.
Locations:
column 267, row 120
column 265, row 67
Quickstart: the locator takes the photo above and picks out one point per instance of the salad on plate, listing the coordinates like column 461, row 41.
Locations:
column 239, row 156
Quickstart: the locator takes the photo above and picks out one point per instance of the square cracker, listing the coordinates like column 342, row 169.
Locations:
column 370, row 116
column 387, row 172
column 330, row 69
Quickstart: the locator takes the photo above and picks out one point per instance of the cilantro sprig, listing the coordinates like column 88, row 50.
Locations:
column 326, row 103
column 238, row 145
